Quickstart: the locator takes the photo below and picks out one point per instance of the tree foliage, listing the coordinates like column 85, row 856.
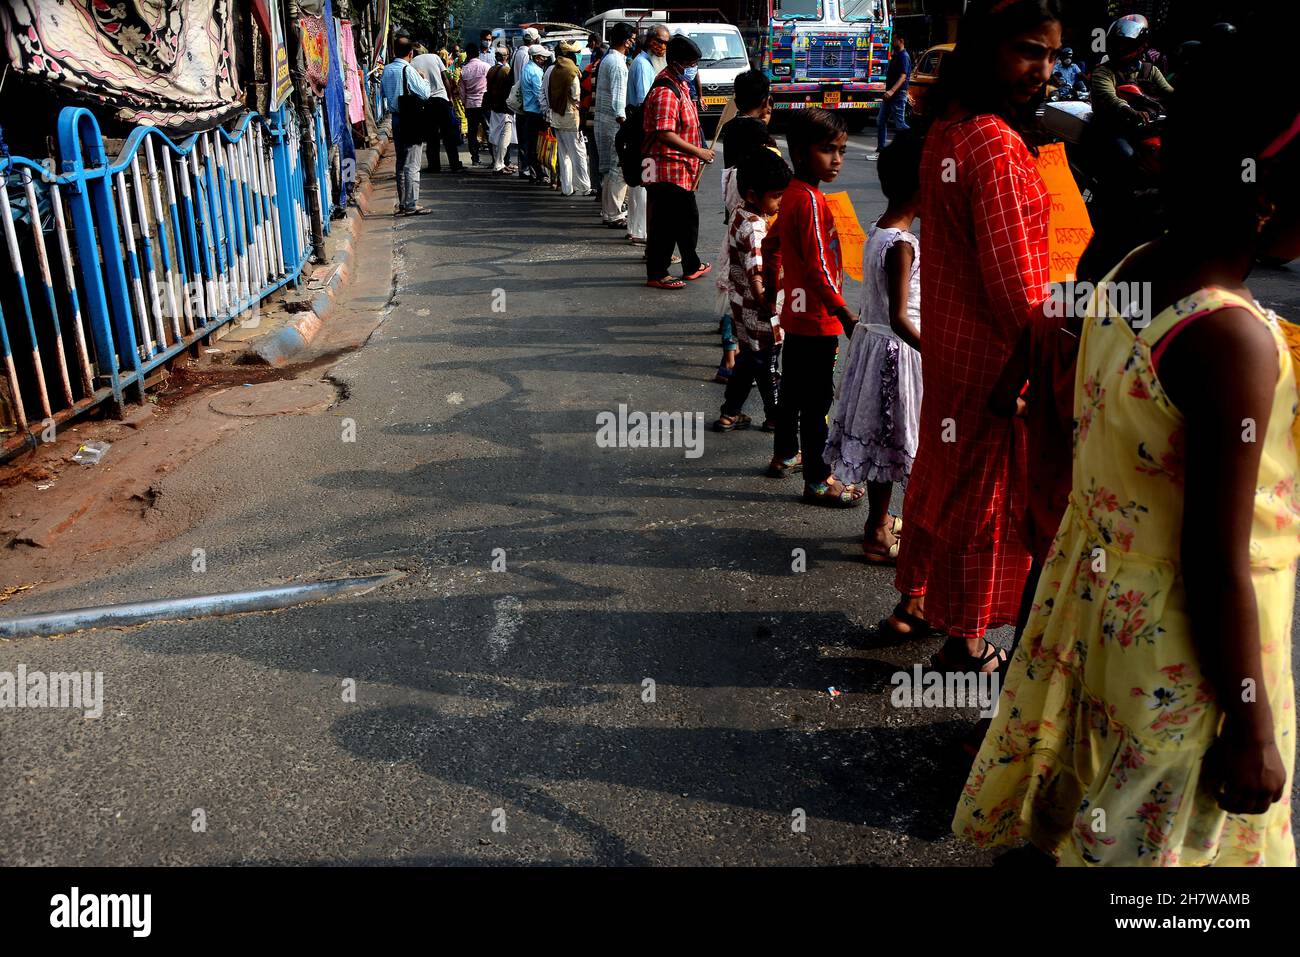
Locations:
column 429, row 20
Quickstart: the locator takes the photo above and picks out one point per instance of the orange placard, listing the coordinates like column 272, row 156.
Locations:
column 1069, row 228
column 1291, row 333
column 850, row 232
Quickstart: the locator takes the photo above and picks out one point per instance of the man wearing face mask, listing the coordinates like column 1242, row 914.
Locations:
column 690, row 73
column 673, row 150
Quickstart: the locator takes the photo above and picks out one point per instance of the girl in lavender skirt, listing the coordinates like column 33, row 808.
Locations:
column 873, row 435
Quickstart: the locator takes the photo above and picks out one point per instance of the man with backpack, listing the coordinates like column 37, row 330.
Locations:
column 673, row 150
column 404, row 91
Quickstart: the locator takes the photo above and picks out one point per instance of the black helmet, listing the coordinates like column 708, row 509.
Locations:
column 1127, row 36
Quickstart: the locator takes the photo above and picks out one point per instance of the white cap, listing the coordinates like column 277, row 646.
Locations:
column 538, row 50
column 531, row 35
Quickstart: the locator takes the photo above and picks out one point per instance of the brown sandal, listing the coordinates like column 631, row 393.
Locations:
column 729, row 423
column 780, row 468
column 876, row 556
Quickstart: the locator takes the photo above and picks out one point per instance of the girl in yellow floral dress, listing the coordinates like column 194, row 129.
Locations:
column 1149, row 713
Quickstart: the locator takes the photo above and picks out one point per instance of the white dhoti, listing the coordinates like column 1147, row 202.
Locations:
column 572, row 162
column 500, row 127
column 636, row 200
column 613, row 189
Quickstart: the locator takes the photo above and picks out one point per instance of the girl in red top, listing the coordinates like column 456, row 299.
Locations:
column 813, row 311
column 962, row 553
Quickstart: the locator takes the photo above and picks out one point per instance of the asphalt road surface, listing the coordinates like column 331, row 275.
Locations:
column 642, row 677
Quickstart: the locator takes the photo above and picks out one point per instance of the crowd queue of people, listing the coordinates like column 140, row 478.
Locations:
column 1122, row 491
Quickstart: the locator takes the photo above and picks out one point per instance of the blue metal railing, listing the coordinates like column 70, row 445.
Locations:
column 154, row 251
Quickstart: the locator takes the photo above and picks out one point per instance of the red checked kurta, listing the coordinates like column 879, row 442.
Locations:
column 984, row 215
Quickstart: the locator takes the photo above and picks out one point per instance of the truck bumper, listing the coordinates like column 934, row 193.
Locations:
column 828, row 96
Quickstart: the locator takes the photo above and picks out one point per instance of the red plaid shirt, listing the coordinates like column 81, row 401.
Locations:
column 671, row 110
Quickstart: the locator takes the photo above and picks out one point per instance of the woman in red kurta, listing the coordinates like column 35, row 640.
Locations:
column 984, row 216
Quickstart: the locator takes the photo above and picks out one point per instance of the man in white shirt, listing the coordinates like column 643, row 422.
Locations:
column 443, row 124
column 610, row 111
column 521, row 56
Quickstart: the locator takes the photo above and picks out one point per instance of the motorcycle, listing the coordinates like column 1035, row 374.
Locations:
column 1064, row 93
column 1118, row 175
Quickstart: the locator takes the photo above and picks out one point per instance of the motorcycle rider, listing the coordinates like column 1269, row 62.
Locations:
column 1068, row 75
column 1126, row 41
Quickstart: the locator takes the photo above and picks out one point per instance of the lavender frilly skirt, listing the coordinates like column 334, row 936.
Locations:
column 874, row 432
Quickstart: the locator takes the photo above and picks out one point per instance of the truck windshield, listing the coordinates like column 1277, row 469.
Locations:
column 860, row 10
column 718, row 48
column 798, row 10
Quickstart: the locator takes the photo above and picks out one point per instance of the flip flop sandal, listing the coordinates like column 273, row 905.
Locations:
column 671, row 282
column 741, row 421
column 821, row 494
column 767, row 426
column 991, row 652
column 877, row 557
column 784, row 467
column 703, row 270
column 920, row 628
column 418, row 211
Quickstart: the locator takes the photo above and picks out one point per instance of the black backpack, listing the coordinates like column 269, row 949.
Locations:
column 629, row 142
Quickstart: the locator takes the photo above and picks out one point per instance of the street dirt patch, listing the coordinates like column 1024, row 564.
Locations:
column 62, row 522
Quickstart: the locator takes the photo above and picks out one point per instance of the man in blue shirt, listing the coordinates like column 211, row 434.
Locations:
column 1067, row 74
column 894, row 103
column 533, row 119
column 401, row 80
column 643, row 71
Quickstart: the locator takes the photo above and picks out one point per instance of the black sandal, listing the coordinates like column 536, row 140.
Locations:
column 991, row 652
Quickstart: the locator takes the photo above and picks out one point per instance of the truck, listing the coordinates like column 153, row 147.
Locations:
column 828, row 53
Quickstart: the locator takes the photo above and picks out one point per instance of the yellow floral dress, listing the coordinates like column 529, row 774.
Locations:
column 1095, row 753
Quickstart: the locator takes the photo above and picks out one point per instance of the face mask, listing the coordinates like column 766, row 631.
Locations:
column 690, row 72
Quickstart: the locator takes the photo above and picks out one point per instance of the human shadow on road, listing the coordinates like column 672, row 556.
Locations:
column 905, row 780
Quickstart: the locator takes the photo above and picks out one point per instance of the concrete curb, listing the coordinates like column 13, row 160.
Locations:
column 279, row 347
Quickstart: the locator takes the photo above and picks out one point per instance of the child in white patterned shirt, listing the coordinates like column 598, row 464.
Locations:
column 761, row 179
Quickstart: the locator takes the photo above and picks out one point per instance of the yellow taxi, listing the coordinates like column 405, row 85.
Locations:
column 925, row 75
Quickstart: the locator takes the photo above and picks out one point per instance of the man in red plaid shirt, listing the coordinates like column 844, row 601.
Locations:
column 673, row 152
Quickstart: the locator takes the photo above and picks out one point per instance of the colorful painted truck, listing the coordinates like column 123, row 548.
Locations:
column 828, row 53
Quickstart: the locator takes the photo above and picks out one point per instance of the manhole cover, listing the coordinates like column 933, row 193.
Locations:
column 284, row 397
